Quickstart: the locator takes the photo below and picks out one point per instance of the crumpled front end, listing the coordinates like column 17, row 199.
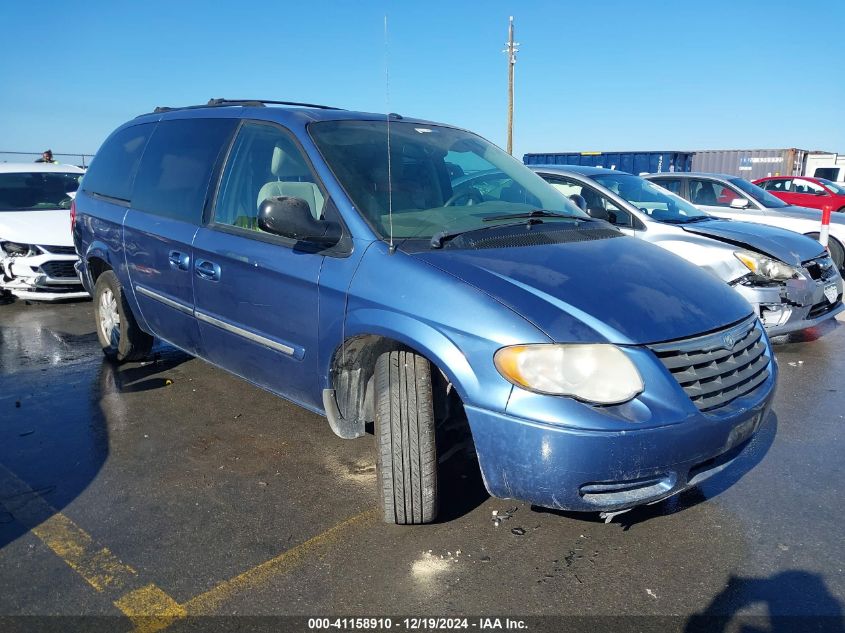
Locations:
column 39, row 273
column 795, row 304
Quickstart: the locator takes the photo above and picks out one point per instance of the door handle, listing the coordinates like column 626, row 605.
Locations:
column 182, row 261
column 207, row 270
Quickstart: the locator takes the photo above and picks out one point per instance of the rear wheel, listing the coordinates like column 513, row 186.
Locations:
column 405, row 436
column 118, row 332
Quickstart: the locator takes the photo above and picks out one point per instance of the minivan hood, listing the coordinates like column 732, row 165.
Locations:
column 787, row 246
column 51, row 228
column 620, row 290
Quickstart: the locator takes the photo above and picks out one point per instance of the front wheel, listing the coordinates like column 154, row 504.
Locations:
column 118, row 332
column 405, row 435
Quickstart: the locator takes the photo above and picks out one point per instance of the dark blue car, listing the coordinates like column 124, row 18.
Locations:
column 326, row 256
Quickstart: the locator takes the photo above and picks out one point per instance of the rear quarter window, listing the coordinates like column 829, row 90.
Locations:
column 174, row 174
column 114, row 166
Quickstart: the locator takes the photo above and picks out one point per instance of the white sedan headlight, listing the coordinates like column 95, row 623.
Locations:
column 598, row 373
column 16, row 249
column 767, row 266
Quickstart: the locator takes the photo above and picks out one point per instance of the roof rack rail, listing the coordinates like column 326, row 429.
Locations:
column 258, row 103
column 264, row 102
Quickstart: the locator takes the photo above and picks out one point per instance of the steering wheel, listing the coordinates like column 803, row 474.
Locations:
column 472, row 195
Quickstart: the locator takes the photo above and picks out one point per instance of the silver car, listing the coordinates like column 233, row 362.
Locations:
column 735, row 198
column 788, row 278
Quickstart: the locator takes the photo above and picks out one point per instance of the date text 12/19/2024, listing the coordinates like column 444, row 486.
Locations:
column 415, row 624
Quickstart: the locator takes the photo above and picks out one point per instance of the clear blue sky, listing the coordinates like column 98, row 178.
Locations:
column 590, row 75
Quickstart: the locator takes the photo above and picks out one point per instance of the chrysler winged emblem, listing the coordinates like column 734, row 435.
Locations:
column 728, row 341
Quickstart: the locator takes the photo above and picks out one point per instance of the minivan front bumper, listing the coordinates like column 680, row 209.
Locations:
column 592, row 470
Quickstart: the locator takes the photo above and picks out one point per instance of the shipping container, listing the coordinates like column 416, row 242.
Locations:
column 632, row 162
column 751, row 163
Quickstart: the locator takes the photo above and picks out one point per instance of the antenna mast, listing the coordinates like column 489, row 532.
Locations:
column 511, row 49
column 389, row 165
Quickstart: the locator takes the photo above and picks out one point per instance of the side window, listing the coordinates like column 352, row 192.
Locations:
column 807, row 187
column 710, row 193
column 264, row 163
column 174, row 175
column 114, row 166
column 828, row 173
column 598, row 206
column 781, row 184
column 673, row 185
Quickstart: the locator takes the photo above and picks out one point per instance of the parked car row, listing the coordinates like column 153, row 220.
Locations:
column 579, row 336
column 789, row 279
column 734, row 198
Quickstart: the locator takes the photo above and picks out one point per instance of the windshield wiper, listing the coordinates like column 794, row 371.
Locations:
column 699, row 218
column 532, row 217
column 438, row 238
column 536, row 213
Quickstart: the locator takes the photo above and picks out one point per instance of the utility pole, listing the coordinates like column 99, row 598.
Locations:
column 511, row 49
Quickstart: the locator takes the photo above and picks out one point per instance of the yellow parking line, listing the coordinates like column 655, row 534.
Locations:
column 208, row 602
column 148, row 607
column 97, row 565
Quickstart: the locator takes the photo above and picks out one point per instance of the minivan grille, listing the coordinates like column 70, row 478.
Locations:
column 717, row 368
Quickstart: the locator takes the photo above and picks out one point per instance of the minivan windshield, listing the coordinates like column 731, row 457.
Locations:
column 438, row 179
column 37, row 191
column 759, row 194
column 658, row 203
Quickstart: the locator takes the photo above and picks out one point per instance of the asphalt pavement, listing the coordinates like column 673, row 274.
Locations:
column 171, row 488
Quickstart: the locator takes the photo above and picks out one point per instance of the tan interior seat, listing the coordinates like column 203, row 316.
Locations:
column 286, row 168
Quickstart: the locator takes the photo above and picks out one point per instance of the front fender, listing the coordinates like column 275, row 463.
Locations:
column 441, row 348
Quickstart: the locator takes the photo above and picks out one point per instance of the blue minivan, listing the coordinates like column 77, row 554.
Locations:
column 334, row 258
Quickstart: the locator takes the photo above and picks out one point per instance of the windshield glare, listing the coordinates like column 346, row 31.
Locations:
column 439, row 178
column 760, row 195
column 661, row 205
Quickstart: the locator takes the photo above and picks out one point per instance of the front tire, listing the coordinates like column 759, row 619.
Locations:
column 405, row 436
column 118, row 332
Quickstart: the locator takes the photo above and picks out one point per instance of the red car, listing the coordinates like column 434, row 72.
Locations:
column 804, row 191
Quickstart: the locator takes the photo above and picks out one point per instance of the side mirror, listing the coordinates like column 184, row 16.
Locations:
column 821, row 193
column 739, row 203
column 291, row 217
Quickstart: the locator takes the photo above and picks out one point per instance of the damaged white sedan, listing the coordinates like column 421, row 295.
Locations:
column 37, row 256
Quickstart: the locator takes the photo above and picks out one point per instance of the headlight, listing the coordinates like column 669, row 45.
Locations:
column 602, row 374
column 767, row 267
column 13, row 248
